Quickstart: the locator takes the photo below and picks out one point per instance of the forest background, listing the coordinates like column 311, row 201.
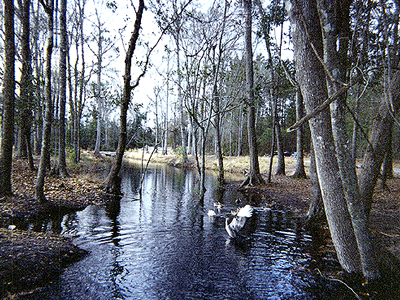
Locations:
column 209, row 93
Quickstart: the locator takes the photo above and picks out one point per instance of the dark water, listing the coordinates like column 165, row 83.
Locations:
column 166, row 247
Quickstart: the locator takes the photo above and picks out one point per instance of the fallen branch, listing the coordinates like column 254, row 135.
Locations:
column 344, row 283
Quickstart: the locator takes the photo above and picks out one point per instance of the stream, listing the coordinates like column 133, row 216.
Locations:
column 165, row 246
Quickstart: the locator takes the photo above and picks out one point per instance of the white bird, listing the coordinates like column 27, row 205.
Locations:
column 238, row 221
column 211, row 213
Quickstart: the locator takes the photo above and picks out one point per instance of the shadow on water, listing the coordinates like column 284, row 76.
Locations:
column 166, row 247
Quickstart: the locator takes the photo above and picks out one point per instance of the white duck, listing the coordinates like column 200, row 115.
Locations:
column 238, row 221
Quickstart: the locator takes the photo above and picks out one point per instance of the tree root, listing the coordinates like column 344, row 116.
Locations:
column 252, row 180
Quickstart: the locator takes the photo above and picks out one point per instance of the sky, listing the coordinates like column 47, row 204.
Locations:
column 124, row 17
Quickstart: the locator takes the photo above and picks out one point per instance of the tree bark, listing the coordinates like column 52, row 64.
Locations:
column 45, row 152
column 379, row 139
column 273, row 139
column 82, row 83
column 387, row 165
column 217, row 100
column 335, row 18
column 310, row 75
column 62, row 164
column 254, row 176
column 112, row 183
column 316, row 212
column 280, row 169
column 9, row 99
column 300, row 170
column 26, row 86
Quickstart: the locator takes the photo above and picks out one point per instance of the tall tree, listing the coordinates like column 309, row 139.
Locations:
column 254, row 176
column 112, row 183
column 335, row 20
column 9, row 98
column 217, row 98
column 104, row 44
column 45, row 152
column 80, row 100
column 177, row 26
column 62, row 164
column 26, row 103
column 389, row 104
column 307, row 37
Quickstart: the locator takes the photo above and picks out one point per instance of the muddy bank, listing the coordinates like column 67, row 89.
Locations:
column 29, row 260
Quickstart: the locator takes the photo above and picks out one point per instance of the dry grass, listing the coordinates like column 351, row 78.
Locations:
column 232, row 164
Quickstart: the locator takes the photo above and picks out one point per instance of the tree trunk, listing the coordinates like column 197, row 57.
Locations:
column 180, row 97
column 166, row 123
column 112, row 183
column 376, row 149
column 254, row 176
column 82, row 84
column 316, row 212
column 62, row 164
column 45, row 152
column 335, row 18
column 300, row 171
column 280, row 170
column 240, row 133
column 387, row 166
column 217, row 100
column 306, row 30
column 9, row 98
column 273, row 139
column 26, row 86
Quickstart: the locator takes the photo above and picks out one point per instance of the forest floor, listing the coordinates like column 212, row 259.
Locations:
column 29, row 259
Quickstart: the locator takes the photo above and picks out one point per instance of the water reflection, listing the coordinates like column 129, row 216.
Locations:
column 166, row 247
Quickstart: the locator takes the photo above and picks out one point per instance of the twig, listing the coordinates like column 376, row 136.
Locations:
column 147, row 166
column 344, row 283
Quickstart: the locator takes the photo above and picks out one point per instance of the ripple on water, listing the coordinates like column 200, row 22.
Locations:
column 165, row 247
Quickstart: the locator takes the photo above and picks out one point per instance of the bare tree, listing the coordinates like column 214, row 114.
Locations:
column 9, row 98
column 306, row 31
column 104, row 45
column 45, row 152
column 336, row 25
column 62, row 164
column 112, row 183
column 254, row 176
column 26, row 102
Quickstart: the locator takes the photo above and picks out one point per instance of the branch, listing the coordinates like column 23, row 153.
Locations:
column 319, row 108
column 146, row 64
column 46, row 7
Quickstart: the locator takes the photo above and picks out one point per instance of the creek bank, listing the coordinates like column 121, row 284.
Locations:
column 28, row 259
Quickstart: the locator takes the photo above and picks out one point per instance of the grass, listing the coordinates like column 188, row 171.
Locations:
column 232, row 164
